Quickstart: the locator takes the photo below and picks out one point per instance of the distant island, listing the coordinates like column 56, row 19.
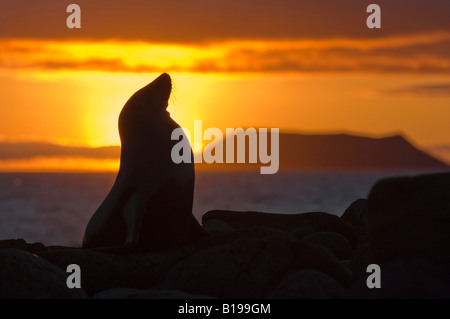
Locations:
column 296, row 152
column 343, row 152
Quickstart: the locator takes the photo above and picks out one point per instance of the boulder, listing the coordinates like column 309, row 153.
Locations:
column 217, row 227
column 362, row 256
column 309, row 255
column 128, row 293
column 21, row 244
column 285, row 222
column 109, row 269
column 356, row 215
column 251, row 232
column 102, row 271
column 407, row 279
column 347, row 264
column 335, row 242
column 27, row 276
column 409, row 217
column 301, row 232
column 308, row 284
column 242, row 269
column 247, row 263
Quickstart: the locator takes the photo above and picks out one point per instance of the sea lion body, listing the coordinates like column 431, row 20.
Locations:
column 150, row 203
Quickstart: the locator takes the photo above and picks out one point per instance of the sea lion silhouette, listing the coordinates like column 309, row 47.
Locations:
column 150, row 203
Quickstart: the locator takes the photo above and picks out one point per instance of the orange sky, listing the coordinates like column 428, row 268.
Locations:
column 231, row 71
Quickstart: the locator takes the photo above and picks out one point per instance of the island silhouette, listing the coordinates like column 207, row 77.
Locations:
column 297, row 152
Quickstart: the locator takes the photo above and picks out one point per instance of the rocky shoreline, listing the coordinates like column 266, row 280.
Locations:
column 403, row 226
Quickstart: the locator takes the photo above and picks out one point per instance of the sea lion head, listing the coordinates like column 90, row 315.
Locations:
column 146, row 110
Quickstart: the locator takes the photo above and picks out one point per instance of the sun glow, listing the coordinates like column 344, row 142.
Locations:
column 407, row 53
column 72, row 92
column 109, row 56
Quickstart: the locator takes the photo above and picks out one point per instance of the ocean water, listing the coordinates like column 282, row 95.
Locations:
column 54, row 208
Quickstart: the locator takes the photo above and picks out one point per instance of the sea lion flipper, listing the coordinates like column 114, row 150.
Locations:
column 106, row 227
column 134, row 212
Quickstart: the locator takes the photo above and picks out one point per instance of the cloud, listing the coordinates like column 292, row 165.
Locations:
column 20, row 151
column 416, row 53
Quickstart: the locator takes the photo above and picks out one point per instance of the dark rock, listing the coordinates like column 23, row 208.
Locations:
column 21, row 244
column 347, row 264
column 310, row 255
column 362, row 256
column 217, row 227
column 257, row 256
column 308, row 284
column 243, row 269
column 286, row 222
column 335, row 242
column 251, row 232
column 301, row 232
column 102, row 271
column 27, row 276
column 356, row 215
column 128, row 293
column 407, row 279
column 410, row 217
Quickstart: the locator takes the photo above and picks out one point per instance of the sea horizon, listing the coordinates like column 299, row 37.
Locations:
column 54, row 207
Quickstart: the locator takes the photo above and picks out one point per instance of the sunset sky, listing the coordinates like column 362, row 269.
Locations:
column 301, row 66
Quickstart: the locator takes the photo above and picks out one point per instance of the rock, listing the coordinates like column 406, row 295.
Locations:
column 409, row 217
column 407, row 279
column 301, row 232
column 21, row 244
column 308, row 284
column 347, row 265
column 27, row 276
column 243, row 269
column 102, row 271
column 356, row 215
column 335, row 242
column 310, row 255
column 286, row 222
column 362, row 257
column 128, row 293
column 247, row 263
column 217, row 227
column 251, row 232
